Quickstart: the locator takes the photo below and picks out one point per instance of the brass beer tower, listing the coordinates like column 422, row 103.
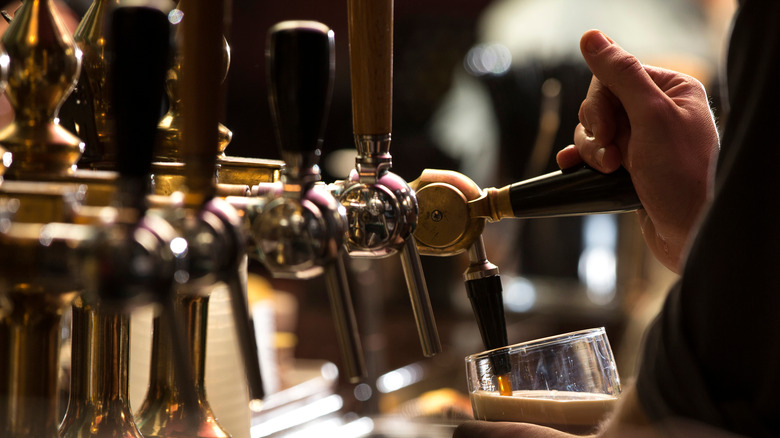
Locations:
column 39, row 272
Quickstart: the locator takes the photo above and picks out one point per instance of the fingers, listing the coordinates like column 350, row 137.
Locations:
column 605, row 158
column 568, row 157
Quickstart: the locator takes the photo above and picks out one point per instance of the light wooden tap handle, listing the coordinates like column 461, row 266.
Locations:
column 371, row 65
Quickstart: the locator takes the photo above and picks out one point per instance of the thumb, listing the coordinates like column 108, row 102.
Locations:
column 618, row 70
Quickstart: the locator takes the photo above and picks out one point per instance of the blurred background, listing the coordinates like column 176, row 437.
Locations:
column 491, row 89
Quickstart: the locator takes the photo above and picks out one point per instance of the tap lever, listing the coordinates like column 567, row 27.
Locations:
column 247, row 341
column 421, row 301
column 570, row 192
column 138, row 71
column 344, row 318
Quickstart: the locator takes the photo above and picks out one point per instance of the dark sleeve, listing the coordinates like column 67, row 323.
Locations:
column 713, row 354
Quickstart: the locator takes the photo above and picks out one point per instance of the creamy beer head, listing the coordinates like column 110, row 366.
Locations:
column 573, row 412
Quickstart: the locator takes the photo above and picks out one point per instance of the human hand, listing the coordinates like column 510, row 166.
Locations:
column 658, row 125
column 488, row 429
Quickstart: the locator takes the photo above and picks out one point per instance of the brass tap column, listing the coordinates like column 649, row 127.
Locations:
column 40, row 275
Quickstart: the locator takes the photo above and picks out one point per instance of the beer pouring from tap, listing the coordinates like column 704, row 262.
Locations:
column 300, row 231
column 453, row 215
column 381, row 208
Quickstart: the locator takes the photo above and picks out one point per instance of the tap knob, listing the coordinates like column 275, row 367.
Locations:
column 381, row 207
column 301, row 232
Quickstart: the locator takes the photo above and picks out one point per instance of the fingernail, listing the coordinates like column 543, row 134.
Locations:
column 600, row 152
column 597, row 42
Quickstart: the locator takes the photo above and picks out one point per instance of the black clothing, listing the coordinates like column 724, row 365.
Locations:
column 713, row 353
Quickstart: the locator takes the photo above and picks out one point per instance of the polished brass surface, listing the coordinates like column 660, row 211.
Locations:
column 80, row 412
column 43, row 67
column 98, row 405
column 162, row 414
column 93, row 87
column 170, row 142
column 248, row 171
column 39, row 281
column 454, row 210
column 445, row 226
column 168, row 178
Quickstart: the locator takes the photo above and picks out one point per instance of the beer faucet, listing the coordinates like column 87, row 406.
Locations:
column 299, row 231
column 212, row 230
column 131, row 260
column 381, row 208
column 454, row 210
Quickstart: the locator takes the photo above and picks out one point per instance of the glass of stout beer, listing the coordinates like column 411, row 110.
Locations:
column 568, row 382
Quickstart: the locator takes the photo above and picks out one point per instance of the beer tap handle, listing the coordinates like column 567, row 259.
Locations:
column 301, row 69
column 570, row 192
column 201, row 102
column 371, row 65
column 138, row 68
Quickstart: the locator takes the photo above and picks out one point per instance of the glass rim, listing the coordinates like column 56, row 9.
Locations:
column 538, row 343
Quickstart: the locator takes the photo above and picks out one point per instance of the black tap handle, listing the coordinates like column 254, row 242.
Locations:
column 572, row 192
column 301, row 64
column 140, row 47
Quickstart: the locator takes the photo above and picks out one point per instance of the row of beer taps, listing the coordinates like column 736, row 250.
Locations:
column 127, row 208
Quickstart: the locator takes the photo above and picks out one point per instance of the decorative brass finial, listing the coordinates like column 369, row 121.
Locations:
column 169, row 148
column 43, row 66
column 90, row 102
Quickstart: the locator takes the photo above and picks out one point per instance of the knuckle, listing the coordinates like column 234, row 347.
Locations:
column 626, row 64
